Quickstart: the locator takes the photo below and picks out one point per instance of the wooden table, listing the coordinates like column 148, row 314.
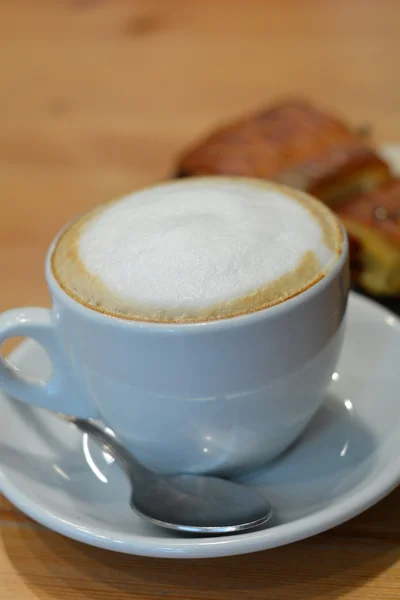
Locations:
column 97, row 97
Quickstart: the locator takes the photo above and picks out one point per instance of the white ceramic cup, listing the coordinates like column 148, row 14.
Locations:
column 216, row 397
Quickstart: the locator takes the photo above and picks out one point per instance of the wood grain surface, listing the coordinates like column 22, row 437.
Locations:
column 97, row 98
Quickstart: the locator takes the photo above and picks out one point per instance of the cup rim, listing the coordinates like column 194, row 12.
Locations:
column 252, row 318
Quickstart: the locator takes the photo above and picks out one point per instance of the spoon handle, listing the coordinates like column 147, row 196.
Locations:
column 126, row 461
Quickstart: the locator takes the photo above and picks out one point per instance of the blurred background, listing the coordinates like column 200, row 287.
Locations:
column 98, row 97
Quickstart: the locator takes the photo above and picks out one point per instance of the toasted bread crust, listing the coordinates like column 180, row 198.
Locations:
column 372, row 222
column 379, row 211
column 291, row 143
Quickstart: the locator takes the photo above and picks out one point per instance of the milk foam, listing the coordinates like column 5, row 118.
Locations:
column 194, row 248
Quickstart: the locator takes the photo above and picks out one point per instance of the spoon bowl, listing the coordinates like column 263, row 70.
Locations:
column 200, row 504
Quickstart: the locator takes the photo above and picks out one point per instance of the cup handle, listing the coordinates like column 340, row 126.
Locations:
column 62, row 391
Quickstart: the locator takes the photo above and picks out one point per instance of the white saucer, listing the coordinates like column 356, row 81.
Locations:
column 348, row 459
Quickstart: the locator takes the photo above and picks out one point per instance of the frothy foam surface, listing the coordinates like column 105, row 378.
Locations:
column 196, row 249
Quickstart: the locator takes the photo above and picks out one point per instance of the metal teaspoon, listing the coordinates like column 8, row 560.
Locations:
column 194, row 503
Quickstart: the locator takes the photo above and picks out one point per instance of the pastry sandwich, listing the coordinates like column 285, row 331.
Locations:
column 372, row 222
column 295, row 144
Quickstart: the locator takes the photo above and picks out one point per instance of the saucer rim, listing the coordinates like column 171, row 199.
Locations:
column 338, row 512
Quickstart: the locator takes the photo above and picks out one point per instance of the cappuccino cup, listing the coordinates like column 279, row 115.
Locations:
column 200, row 319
